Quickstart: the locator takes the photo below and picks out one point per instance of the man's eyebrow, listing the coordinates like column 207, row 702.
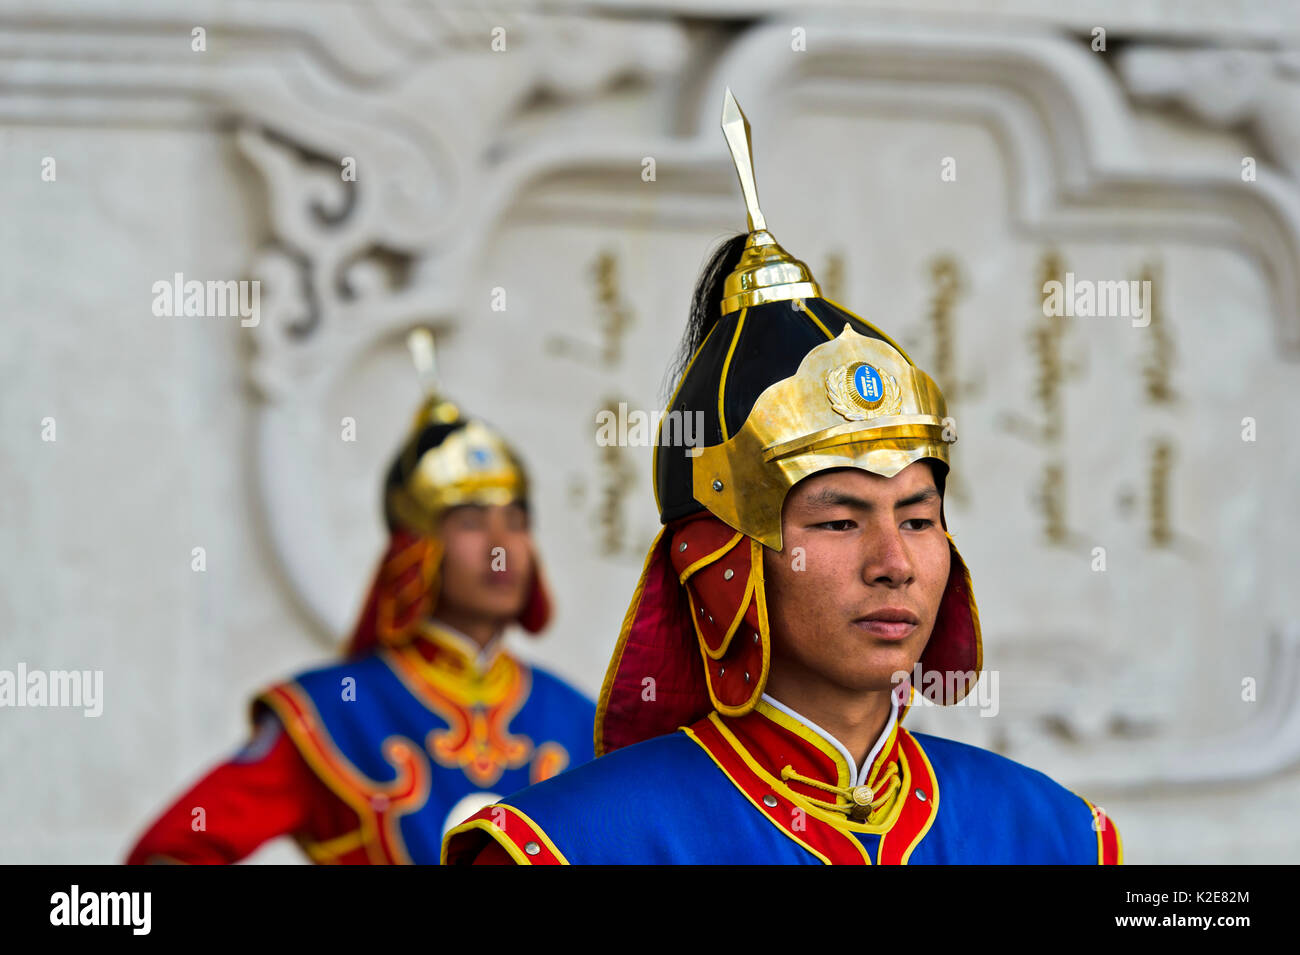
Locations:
column 829, row 497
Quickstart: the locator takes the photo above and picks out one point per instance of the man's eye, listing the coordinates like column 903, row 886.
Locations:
column 844, row 525
column 924, row 523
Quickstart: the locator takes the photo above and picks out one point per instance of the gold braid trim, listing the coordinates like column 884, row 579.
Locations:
column 887, row 787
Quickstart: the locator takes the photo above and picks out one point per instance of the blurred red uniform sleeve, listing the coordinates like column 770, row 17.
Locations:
column 264, row 791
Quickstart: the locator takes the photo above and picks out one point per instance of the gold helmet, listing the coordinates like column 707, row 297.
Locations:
column 445, row 461
column 787, row 384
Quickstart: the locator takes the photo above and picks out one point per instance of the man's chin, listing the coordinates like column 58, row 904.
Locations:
column 882, row 675
column 502, row 618
column 498, row 612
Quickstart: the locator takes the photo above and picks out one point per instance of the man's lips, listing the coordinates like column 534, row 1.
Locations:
column 888, row 623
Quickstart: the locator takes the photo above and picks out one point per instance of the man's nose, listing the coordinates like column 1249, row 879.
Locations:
column 887, row 560
column 497, row 531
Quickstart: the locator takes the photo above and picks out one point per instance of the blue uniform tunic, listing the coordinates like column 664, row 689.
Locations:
column 687, row 798
column 404, row 740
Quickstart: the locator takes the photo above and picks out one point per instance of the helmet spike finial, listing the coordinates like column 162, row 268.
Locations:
column 766, row 272
column 735, row 127
column 424, row 355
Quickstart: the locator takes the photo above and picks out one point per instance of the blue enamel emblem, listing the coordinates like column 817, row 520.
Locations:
column 866, row 380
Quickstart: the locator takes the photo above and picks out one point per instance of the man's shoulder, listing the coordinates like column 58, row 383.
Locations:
column 557, row 688
column 597, row 812
column 967, row 753
column 977, row 785
column 967, row 764
column 669, row 772
column 335, row 671
column 643, row 768
column 324, row 682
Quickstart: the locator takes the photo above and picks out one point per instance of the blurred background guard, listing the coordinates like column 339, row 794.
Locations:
column 790, row 668
column 430, row 718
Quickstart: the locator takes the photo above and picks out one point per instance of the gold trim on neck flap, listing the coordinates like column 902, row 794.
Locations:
column 853, row 402
column 766, row 272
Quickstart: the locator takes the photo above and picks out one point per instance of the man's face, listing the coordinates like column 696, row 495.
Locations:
column 488, row 562
column 866, row 544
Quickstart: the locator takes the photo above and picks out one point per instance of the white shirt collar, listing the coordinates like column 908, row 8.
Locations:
column 859, row 776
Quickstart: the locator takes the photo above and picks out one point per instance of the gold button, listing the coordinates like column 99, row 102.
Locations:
column 862, row 795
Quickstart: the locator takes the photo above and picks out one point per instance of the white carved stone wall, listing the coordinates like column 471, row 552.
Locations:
column 522, row 170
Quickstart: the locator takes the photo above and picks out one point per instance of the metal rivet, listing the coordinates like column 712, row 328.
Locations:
column 717, row 485
column 722, row 671
column 756, row 638
column 920, row 795
column 681, row 547
column 769, row 801
column 728, row 574
column 532, row 848
column 710, row 618
column 746, row 677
